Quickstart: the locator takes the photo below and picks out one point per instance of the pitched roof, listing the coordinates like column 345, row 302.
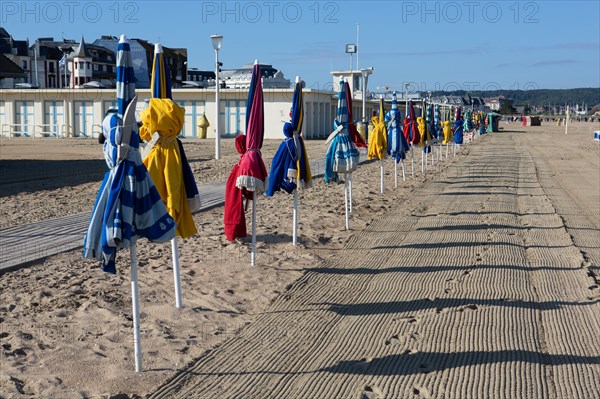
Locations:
column 9, row 69
column 81, row 51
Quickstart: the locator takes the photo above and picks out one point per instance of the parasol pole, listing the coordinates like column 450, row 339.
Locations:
column 382, row 176
column 433, row 154
column 447, row 144
column 567, row 121
column 295, row 228
column 412, row 160
column 253, row 255
column 403, row 175
column 426, row 166
column 422, row 162
column 346, row 198
column 395, row 173
column 176, row 277
column 350, row 193
column 137, row 341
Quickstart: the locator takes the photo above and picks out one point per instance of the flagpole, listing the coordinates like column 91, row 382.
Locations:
column 137, row 341
column 176, row 274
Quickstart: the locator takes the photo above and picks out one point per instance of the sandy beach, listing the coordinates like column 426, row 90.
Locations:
column 66, row 327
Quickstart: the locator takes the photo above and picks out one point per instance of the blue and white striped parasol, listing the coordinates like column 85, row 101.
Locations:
column 128, row 205
column 342, row 155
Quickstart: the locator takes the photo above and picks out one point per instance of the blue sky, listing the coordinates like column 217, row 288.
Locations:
column 433, row 44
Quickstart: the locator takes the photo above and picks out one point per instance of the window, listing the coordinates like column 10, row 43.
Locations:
column 51, row 67
column 24, row 64
column 88, row 66
column 80, row 64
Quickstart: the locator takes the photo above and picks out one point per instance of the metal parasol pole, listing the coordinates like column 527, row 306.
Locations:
column 350, row 193
column 295, row 228
column 403, row 175
column 253, row 255
column 382, row 176
column 346, row 198
column 176, row 278
column 395, row 173
column 422, row 162
column 137, row 341
column 412, row 160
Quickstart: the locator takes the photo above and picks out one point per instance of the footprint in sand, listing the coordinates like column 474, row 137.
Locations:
column 421, row 392
column 409, row 319
column 371, row 392
column 394, row 340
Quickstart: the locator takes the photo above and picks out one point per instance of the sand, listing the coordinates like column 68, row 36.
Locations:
column 65, row 327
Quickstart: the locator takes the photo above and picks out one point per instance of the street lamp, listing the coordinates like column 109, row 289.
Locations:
column 216, row 42
column 365, row 74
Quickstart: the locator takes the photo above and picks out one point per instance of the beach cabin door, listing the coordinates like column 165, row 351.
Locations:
column 84, row 118
column 53, row 117
column 24, row 118
column 235, row 117
column 193, row 112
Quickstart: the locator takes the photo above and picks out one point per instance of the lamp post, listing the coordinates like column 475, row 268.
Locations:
column 66, row 49
column 216, row 42
column 365, row 74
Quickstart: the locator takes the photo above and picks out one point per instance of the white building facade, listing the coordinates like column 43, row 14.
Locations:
column 79, row 112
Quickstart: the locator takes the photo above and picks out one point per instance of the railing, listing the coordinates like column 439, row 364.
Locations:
column 32, row 131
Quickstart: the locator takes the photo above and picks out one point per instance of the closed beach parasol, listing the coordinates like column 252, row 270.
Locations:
column 412, row 134
column 342, row 155
column 356, row 138
column 397, row 143
column 252, row 174
column 378, row 146
column 457, row 131
column 166, row 161
column 437, row 120
column 128, row 205
column 290, row 167
column 234, row 217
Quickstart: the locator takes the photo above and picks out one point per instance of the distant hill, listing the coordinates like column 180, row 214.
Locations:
column 541, row 97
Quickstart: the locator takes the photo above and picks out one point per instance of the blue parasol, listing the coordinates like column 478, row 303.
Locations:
column 128, row 205
column 397, row 143
column 342, row 155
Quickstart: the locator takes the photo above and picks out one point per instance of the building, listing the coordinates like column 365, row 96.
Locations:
column 142, row 54
column 17, row 52
column 495, row 103
column 198, row 78
column 240, row 78
column 46, row 58
column 10, row 73
column 79, row 113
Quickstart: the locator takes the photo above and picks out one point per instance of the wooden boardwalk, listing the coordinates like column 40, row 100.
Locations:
column 21, row 245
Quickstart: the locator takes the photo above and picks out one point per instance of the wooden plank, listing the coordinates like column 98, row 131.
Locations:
column 20, row 245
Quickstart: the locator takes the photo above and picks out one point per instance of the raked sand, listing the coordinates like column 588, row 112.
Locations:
column 478, row 282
